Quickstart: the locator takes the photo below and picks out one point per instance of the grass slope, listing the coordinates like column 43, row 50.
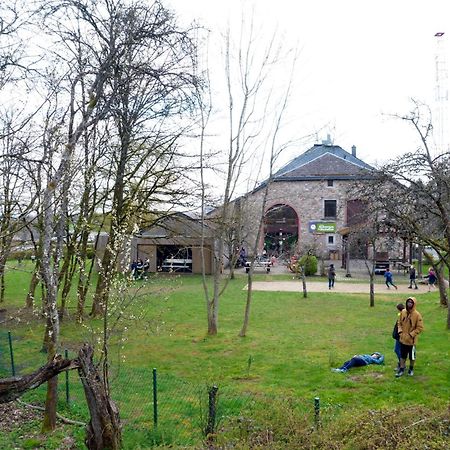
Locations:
column 291, row 346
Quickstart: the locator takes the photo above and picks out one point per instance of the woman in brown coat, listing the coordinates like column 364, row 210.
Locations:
column 410, row 324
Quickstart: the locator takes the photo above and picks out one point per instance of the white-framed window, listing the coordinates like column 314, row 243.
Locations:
column 330, row 183
column 330, row 239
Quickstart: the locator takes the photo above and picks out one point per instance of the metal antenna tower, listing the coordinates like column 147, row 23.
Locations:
column 440, row 122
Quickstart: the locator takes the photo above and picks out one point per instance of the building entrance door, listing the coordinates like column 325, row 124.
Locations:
column 280, row 231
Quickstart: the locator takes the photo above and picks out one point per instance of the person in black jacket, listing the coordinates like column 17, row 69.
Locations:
column 400, row 307
column 331, row 276
column 412, row 277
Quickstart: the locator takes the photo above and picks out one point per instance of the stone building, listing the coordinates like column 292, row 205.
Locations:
column 307, row 204
column 308, row 208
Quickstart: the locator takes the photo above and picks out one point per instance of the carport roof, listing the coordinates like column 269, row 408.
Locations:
column 174, row 225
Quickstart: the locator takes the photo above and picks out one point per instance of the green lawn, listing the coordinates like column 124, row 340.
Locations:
column 292, row 344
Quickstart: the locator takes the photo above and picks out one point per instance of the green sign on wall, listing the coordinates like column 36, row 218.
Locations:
column 322, row 227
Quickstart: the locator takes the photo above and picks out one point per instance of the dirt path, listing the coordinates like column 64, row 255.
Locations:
column 341, row 286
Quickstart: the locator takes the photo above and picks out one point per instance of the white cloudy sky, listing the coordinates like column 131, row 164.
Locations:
column 360, row 62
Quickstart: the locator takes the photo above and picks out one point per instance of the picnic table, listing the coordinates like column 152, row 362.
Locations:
column 259, row 263
column 177, row 265
column 402, row 267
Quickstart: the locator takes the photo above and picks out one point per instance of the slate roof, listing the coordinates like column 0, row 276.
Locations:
column 323, row 161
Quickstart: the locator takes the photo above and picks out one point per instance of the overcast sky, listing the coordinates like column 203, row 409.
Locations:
column 360, row 62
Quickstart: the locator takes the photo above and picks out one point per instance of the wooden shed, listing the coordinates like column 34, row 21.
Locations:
column 174, row 245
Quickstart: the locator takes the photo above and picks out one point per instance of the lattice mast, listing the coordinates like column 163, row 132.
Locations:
column 440, row 116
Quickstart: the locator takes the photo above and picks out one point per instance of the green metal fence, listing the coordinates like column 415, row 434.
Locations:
column 156, row 405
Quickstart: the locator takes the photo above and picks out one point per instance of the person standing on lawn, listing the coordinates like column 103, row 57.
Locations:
column 412, row 277
column 400, row 307
column 410, row 325
column 389, row 278
column 331, row 276
column 432, row 278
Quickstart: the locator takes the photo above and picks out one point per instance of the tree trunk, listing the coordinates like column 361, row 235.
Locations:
column 439, row 271
column 83, row 278
column 305, row 292
column 49, row 422
column 420, row 262
column 12, row 388
column 347, row 261
column 105, row 276
column 2, row 288
column 372, row 291
column 213, row 304
column 104, row 429
column 66, row 275
column 84, row 282
column 232, row 260
column 52, row 337
column 443, row 298
column 212, row 323
column 29, row 301
column 244, row 328
column 108, row 266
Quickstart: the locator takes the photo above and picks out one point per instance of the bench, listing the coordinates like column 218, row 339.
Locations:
column 176, row 265
column 402, row 267
column 381, row 267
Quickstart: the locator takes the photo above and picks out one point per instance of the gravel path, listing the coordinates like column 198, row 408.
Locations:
column 340, row 286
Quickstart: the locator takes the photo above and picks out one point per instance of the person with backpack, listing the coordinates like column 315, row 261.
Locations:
column 400, row 307
column 410, row 325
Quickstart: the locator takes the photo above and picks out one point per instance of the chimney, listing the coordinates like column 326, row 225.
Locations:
column 354, row 150
column 327, row 141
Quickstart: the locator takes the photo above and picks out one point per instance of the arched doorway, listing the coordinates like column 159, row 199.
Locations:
column 280, row 230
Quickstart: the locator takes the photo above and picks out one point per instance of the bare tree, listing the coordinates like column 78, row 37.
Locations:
column 251, row 102
column 275, row 150
column 154, row 81
column 57, row 183
column 14, row 190
column 107, row 61
column 421, row 179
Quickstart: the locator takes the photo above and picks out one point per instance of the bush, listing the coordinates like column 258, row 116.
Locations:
column 20, row 254
column 285, row 425
column 309, row 262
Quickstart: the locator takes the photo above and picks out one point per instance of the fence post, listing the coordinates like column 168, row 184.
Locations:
column 11, row 353
column 212, row 402
column 155, row 399
column 66, row 355
column 317, row 412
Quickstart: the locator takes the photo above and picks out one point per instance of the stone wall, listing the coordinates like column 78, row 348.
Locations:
column 307, row 199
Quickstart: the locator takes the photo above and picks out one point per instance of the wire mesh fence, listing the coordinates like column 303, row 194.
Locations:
column 162, row 407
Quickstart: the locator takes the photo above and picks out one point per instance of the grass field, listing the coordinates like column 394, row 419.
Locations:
column 292, row 344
